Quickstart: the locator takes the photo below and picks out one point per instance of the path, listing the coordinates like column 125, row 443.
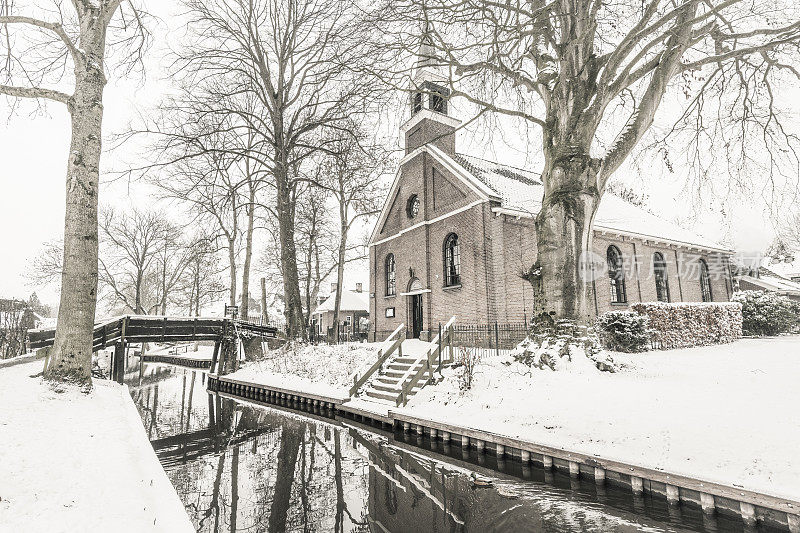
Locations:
column 71, row 461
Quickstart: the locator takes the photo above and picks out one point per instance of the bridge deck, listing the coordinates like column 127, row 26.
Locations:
column 137, row 328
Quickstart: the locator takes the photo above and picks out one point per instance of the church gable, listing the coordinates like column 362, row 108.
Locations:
column 445, row 192
column 392, row 222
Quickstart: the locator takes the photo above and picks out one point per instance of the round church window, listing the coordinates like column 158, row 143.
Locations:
column 412, row 208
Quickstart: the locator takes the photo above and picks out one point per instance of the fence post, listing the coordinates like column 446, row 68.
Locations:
column 497, row 339
column 440, row 348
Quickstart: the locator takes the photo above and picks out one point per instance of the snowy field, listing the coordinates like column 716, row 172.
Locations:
column 323, row 369
column 727, row 413
column 78, row 462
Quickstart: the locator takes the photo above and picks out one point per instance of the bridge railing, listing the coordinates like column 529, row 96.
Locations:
column 138, row 328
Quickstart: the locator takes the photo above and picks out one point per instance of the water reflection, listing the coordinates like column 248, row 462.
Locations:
column 244, row 467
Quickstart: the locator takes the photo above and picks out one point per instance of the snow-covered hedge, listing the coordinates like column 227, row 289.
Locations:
column 682, row 325
column 624, row 331
column 767, row 313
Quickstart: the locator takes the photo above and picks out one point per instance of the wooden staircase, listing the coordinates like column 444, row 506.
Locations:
column 409, row 369
column 389, row 384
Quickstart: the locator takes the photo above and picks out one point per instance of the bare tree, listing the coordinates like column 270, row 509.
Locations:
column 201, row 278
column 137, row 250
column 591, row 76
column 352, row 173
column 283, row 72
column 40, row 50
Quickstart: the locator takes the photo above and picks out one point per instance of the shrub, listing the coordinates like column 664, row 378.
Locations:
column 682, row 325
column 467, row 359
column 624, row 331
column 767, row 313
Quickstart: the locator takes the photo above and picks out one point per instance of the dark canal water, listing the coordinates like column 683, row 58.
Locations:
column 243, row 467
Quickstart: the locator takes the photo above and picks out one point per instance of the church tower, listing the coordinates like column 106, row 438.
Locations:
column 429, row 105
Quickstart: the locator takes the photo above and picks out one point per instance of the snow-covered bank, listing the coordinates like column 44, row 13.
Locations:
column 320, row 369
column 78, row 462
column 726, row 413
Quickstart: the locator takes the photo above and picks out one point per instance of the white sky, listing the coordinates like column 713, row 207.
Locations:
column 34, row 146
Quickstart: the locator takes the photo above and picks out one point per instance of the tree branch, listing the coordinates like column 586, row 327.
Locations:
column 34, row 92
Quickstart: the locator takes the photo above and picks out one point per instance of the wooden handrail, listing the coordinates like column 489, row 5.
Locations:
column 434, row 348
column 393, row 342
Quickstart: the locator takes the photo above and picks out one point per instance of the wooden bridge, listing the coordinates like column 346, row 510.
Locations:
column 120, row 331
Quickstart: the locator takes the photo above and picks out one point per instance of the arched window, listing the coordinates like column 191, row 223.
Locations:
column 391, row 278
column 452, row 261
column 705, row 282
column 616, row 275
column 660, row 273
column 412, row 206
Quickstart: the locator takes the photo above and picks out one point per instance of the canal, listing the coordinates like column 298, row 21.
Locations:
column 238, row 466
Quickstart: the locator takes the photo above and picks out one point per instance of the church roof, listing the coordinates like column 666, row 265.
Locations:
column 522, row 190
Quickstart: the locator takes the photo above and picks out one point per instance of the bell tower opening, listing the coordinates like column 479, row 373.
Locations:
column 430, row 122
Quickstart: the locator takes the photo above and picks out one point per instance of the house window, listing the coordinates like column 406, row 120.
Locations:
column 452, row 261
column 391, row 279
column 705, row 282
column 616, row 275
column 416, row 103
column 412, row 207
column 660, row 274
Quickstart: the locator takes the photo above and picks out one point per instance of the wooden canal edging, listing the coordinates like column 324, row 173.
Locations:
column 280, row 396
column 710, row 496
column 678, row 489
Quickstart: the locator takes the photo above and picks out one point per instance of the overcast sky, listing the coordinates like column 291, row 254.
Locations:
column 34, row 145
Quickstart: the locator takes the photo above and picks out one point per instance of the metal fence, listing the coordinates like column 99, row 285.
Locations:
column 490, row 338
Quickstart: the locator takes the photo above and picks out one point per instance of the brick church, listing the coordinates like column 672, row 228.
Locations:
column 456, row 232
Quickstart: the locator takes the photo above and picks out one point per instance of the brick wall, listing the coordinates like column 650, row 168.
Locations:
column 495, row 250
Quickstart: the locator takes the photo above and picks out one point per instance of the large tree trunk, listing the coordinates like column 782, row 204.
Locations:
column 232, row 266
column 564, row 238
column 291, row 278
column 337, row 304
column 72, row 348
column 248, row 251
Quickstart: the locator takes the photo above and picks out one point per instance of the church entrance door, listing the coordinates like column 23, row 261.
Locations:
column 416, row 315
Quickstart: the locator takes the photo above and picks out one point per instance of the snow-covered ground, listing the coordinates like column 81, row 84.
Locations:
column 727, row 413
column 71, row 461
column 323, row 369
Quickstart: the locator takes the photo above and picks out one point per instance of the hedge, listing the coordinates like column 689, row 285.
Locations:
column 767, row 313
column 624, row 331
column 682, row 325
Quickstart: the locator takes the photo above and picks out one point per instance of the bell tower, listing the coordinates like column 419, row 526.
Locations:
column 429, row 105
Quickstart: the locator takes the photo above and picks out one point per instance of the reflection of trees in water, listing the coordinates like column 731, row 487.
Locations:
column 242, row 468
column 288, row 476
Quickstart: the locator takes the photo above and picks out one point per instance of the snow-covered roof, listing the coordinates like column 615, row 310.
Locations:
column 787, row 270
column 773, row 284
column 522, row 190
column 351, row 301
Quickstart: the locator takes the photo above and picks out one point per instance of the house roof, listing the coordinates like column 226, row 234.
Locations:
column 773, row 284
column 522, row 190
column 351, row 301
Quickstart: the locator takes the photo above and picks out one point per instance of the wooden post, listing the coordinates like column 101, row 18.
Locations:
column 673, row 494
column 118, row 362
column 214, row 357
column 748, row 513
column 707, row 502
column 497, row 339
column 637, row 485
column 440, row 348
